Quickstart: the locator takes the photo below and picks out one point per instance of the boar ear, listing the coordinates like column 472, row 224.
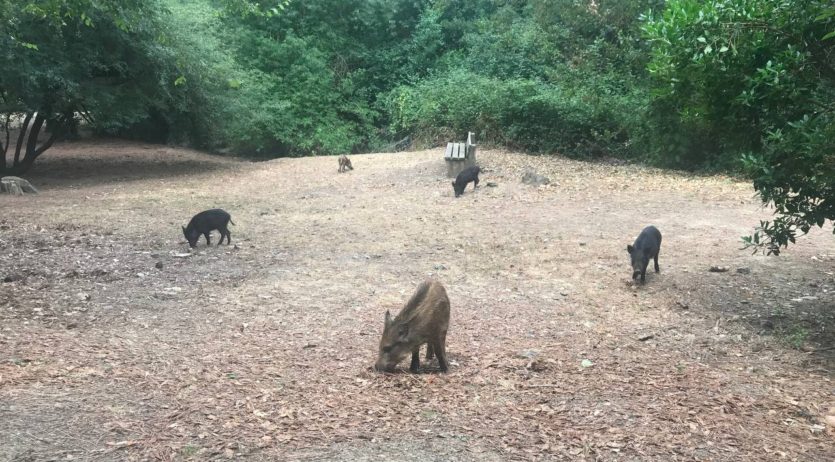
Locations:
column 630, row 249
column 403, row 330
column 388, row 318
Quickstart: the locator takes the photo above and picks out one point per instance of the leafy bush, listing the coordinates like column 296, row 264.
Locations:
column 757, row 79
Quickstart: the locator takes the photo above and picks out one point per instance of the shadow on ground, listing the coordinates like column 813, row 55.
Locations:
column 93, row 163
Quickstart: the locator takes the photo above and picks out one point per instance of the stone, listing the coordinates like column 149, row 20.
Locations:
column 534, row 179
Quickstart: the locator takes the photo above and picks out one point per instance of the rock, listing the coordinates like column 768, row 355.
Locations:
column 718, row 269
column 440, row 267
column 492, row 184
column 534, row 179
column 159, row 265
column 16, row 186
column 743, row 270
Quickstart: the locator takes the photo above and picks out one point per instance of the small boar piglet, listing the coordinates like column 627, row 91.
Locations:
column 204, row 223
column 344, row 163
column 467, row 175
column 646, row 246
column 424, row 320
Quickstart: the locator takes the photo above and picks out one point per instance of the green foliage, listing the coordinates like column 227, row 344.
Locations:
column 756, row 79
column 795, row 172
column 102, row 60
column 541, row 75
column 797, row 336
column 80, row 55
column 332, row 76
column 524, row 113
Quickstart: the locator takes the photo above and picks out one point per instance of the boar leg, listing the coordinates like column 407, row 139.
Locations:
column 656, row 263
column 430, row 352
column 224, row 232
column 415, row 359
column 475, row 183
column 208, row 242
column 440, row 352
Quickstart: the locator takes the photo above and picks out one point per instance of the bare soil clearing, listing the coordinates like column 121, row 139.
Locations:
column 262, row 350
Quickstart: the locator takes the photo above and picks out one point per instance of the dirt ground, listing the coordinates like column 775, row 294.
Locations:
column 262, row 350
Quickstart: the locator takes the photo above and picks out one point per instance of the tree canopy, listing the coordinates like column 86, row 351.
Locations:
column 738, row 85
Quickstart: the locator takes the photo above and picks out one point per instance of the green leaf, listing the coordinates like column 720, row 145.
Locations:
column 829, row 35
column 702, row 40
column 181, row 80
column 723, row 49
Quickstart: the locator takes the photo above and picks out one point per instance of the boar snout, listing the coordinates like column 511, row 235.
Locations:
column 380, row 366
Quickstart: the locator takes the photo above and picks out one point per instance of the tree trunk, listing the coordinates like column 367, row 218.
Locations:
column 4, row 147
column 28, row 139
column 24, row 129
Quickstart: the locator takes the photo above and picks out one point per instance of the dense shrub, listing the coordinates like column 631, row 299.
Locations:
column 751, row 84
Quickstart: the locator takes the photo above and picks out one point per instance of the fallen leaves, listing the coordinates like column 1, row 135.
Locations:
column 268, row 349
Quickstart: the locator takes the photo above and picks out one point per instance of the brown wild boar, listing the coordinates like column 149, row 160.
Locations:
column 344, row 163
column 424, row 319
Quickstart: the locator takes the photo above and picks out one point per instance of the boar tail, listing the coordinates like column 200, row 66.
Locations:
column 230, row 221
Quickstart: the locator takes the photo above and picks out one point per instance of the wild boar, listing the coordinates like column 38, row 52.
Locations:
column 344, row 164
column 424, row 319
column 206, row 221
column 467, row 175
column 646, row 246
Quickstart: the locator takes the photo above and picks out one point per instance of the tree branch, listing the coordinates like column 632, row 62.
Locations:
column 47, row 144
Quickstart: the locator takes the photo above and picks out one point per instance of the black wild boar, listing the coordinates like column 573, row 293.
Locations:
column 344, row 164
column 646, row 246
column 466, row 175
column 206, row 221
column 424, row 319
